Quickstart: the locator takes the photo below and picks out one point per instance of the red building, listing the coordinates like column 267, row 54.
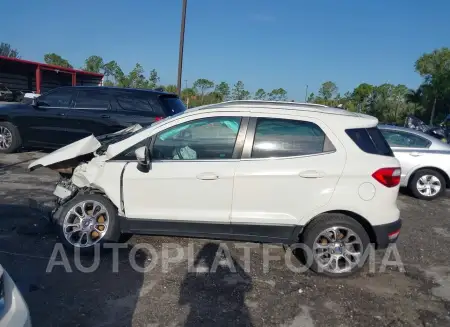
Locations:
column 25, row 75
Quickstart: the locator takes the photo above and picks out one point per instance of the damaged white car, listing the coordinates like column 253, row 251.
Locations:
column 244, row 170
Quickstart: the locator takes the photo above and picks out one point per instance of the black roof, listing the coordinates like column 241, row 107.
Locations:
column 119, row 88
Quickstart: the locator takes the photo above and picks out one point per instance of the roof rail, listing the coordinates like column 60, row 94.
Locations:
column 261, row 102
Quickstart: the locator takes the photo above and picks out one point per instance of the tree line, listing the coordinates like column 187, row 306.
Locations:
column 388, row 102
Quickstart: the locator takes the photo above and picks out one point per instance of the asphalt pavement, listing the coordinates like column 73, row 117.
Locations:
column 59, row 293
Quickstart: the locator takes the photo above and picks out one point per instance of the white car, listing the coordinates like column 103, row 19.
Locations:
column 243, row 170
column 13, row 309
column 424, row 159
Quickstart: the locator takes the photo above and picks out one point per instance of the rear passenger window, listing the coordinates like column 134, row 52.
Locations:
column 92, row 99
column 288, row 138
column 370, row 140
column 137, row 101
column 405, row 139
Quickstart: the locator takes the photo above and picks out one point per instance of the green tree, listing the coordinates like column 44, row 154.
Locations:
column 311, row 97
column 328, row 90
column 260, row 94
column 153, row 80
column 202, row 85
column 112, row 69
column 57, row 60
column 188, row 92
column 278, row 95
column 362, row 95
column 135, row 79
column 223, row 90
column 434, row 67
column 94, row 64
column 7, row 51
column 171, row 88
column 415, row 97
column 239, row 92
column 108, row 83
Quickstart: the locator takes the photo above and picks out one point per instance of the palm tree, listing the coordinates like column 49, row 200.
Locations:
column 415, row 97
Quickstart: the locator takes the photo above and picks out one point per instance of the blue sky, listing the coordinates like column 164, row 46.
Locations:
column 268, row 44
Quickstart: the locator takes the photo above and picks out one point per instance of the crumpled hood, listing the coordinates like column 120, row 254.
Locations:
column 79, row 148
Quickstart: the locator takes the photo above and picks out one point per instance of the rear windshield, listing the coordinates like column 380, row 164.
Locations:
column 370, row 140
column 172, row 105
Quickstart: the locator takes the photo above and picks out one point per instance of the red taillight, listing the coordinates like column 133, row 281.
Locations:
column 389, row 177
column 158, row 118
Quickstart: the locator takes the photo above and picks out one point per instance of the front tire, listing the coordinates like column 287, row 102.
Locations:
column 10, row 139
column 335, row 245
column 427, row 184
column 86, row 221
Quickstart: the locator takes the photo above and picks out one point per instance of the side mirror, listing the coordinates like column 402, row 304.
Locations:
column 144, row 159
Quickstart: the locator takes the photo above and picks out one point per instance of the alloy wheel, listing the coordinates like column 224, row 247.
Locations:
column 5, row 138
column 337, row 250
column 86, row 224
column 428, row 185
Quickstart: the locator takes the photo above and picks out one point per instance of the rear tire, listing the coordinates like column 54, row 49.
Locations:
column 10, row 139
column 329, row 240
column 427, row 184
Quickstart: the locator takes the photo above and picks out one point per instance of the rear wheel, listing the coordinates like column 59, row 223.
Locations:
column 427, row 184
column 10, row 139
column 335, row 245
column 88, row 220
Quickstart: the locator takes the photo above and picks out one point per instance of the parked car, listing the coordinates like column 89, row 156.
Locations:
column 67, row 114
column 424, row 159
column 13, row 308
column 242, row 170
column 5, row 93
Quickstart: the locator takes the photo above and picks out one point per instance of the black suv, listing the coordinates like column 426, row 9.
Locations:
column 67, row 114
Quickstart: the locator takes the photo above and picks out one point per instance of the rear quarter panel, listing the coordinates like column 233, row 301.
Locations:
column 381, row 208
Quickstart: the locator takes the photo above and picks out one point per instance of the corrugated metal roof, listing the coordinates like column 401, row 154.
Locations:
column 54, row 67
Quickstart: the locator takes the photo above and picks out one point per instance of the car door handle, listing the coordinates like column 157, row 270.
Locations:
column 207, row 176
column 415, row 154
column 105, row 116
column 62, row 114
column 311, row 174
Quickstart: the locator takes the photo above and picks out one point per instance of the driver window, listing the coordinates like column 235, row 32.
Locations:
column 201, row 139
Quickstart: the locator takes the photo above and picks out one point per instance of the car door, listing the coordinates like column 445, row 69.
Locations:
column 289, row 168
column 408, row 148
column 92, row 114
column 46, row 124
column 191, row 175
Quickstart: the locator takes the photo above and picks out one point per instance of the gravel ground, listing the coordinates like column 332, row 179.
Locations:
column 173, row 295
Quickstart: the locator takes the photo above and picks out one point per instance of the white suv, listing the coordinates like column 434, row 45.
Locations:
column 258, row 171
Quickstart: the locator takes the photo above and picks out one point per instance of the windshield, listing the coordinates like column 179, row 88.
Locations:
column 3, row 88
column 172, row 105
column 107, row 139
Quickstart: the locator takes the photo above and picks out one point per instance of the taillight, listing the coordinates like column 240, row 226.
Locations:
column 158, row 118
column 389, row 177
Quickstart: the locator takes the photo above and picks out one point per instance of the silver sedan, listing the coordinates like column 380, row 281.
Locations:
column 425, row 161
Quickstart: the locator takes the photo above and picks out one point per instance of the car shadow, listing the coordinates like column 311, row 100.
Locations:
column 215, row 290
column 63, row 288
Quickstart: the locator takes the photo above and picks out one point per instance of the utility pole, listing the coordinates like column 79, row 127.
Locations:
column 185, row 83
column 306, row 93
column 180, row 55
